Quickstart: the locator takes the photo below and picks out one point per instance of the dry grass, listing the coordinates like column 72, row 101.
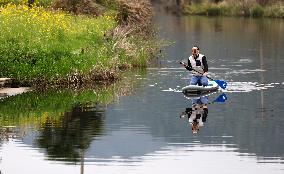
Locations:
column 137, row 14
column 135, row 33
column 87, row 7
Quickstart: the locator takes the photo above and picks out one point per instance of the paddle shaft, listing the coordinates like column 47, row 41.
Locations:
column 196, row 71
column 202, row 74
column 221, row 83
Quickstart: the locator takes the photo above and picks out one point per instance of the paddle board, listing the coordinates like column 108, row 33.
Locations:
column 198, row 91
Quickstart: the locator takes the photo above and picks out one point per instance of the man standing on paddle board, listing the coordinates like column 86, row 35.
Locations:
column 198, row 63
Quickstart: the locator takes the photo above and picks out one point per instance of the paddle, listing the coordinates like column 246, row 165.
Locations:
column 221, row 83
column 221, row 98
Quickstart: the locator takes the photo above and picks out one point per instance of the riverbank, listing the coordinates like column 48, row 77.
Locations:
column 43, row 46
column 235, row 9
column 251, row 8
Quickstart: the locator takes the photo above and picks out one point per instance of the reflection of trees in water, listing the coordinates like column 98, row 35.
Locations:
column 35, row 107
column 11, row 132
column 73, row 136
column 6, row 133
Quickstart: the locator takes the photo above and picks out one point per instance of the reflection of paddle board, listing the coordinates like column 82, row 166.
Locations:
column 198, row 91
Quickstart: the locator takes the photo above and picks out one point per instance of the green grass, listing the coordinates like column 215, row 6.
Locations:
column 38, row 45
column 35, row 43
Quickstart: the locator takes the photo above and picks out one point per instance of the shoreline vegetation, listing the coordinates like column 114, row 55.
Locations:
column 246, row 8
column 66, row 42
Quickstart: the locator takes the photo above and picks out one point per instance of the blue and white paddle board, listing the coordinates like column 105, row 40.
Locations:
column 195, row 90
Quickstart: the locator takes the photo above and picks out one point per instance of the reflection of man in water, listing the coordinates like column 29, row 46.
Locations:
column 197, row 114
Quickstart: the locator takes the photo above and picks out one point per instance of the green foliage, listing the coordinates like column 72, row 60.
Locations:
column 37, row 45
column 274, row 11
column 225, row 10
column 213, row 11
column 257, row 11
column 32, row 49
column 196, row 9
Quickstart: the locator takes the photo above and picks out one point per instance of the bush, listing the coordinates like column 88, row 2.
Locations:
column 78, row 7
column 276, row 10
column 213, row 11
column 196, row 9
column 134, row 13
column 112, row 4
column 225, row 10
column 257, row 11
column 236, row 8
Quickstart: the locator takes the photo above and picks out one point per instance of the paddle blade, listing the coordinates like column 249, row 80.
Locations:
column 221, row 98
column 221, row 83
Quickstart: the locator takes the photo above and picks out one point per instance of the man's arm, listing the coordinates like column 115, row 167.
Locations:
column 205, row 65
column 188, row 67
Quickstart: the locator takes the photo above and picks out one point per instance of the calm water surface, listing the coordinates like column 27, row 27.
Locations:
column 141, row 132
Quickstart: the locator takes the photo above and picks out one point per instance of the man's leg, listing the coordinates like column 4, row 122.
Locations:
column 194, row 80
column 204, row 100
column 204, row 81
column 194, row 101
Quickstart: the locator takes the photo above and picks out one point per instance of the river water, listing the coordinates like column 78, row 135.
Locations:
column 140, row 130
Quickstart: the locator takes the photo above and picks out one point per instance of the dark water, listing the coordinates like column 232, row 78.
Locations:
column 140, row 131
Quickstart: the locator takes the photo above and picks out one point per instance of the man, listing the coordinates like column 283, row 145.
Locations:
column 197, row 62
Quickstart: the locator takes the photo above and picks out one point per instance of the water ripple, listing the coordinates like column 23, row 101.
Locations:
column 248, row 86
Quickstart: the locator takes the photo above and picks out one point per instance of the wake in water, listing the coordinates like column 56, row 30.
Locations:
column 178, row 73
column 248, row 86
column 237, row 87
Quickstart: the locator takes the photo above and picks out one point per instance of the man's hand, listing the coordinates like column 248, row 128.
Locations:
column 188, row 68
column 205, row 74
